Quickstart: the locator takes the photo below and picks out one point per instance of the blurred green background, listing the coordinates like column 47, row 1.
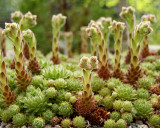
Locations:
column 79, row 13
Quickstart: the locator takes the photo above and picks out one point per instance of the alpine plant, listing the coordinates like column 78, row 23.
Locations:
column 86, row 103
column 105, row 22
column 2, row 42
column 30, row 39
column 134, row 70
column 69, row 38
column 92, row 40
column 84, row 40
column 95, row 33
column 117, row 29
column 8, row 97
column 25, row 22
column 145, row 46
column 23, row 78
column 58, row 21
column 128, row 14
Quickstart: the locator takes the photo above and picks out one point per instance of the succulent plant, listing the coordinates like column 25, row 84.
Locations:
column 117, row 29
column 13, row 32
column 95, row 33
column 66, row 123
column 128, row 14
column 3, row 42
column 61, row 96
column 97, row 84
column 105, row 91
column 134, row 70
column 30, row 39
column 109, row 123
column 115, row 115
column 55, row 72
column 8, row 97
column 105, row 23
column 6, row 116
column 86, row 103
column 107, row 102
column 69, row 38
column 127, row 106
column 68, row 95
column 127, row 117
column 65, row 109
column 58, row 22
column 19, row 120
column 51, row 92
column 113, row 83
column 30, row 119
column 145, row 46
column 121, row 124
column 54, row 108
column 142, row 94
column 55, row 120
column 48, row 115
column 117, row 105
column 79, row 122
column 154, row 120
column 38, row 122
column 60, row 83
column 14, row 109
column 73, row 85
column 125, row 92
column 84, row 40
column 156, row 89
column 145, row 83
column 35, row 101
column 72, row 99
column 143, row 108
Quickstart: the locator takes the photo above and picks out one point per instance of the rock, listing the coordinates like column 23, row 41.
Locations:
column 48, row 126
column 23, row 127
column 9, row 126
column 3, row 124
column 142, row 126
column 57, row 126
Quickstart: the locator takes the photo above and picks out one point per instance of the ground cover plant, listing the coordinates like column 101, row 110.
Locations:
column 97, row 89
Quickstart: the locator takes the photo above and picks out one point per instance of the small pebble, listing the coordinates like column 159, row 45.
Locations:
column 142, row 126
column 9, row 126
column 48, row 126
column 57, row 126
column 3, row 124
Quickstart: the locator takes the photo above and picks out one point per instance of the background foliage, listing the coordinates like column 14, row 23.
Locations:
column 79, row 13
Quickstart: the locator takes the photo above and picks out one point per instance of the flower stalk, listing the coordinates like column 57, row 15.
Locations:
column 12, row 31
column 95, row 34
column 86, row 103
column 105, row 22
column 84, row 40
column 128, row 14
column 134, row 70
column 69, row 38
column 117, row 29
column 8, row 97
column 145, row 45
column 58, row 21
column 30, row 39
column 2, row 42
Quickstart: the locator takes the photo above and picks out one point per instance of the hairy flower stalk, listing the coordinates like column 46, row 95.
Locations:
column 95, row 34
column 92, row 40
column 30, row 39
column 2, row 42
column 25, row 21
column 84, row 40
column 58, row 21
column 128, row 14
column 145, row 46
column 134, row 70
column 105, row 22
column 8, row 96
column 69, row 38
column 13, row 33
column 86, row 103
column 117, row 29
